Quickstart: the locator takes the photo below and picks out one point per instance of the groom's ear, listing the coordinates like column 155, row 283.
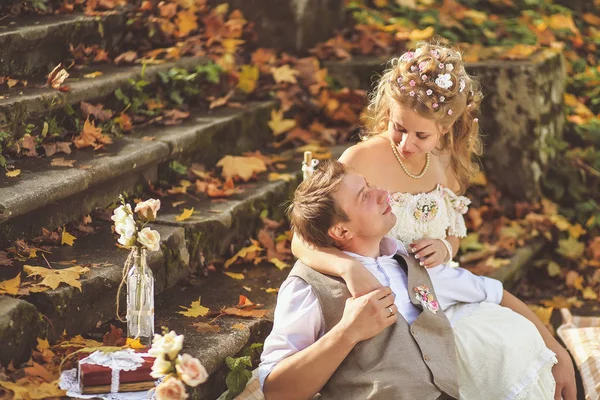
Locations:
column 339, row 233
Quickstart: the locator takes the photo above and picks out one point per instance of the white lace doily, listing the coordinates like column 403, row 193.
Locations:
column 122, row 360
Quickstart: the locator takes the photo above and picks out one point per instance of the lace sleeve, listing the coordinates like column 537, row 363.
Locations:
column 456, row 206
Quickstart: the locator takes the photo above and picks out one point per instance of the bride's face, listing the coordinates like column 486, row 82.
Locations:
column 414, row 134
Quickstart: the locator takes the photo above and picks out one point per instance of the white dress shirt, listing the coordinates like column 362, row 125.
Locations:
column 298, row 320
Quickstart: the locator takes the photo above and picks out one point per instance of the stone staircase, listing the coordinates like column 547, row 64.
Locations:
column 45, row 196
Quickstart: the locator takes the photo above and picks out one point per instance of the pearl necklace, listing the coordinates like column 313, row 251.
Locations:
column 395, row 150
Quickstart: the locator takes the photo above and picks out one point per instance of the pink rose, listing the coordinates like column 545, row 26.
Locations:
column 171, row 389
column 190, row 369
column 148, row 209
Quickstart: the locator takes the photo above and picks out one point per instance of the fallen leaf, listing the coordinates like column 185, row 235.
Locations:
column 187, row 212
column 61, row 162
column 91, row 136
column 10, row 286
column 27, row 390
column 43, row 344
column 279, row 264
column 128, row 57
column 553, row 269
column 39, row 371
column 57, row 76
column 571, row 248
column 4, row 260
column 242, row 167
column 67, row 238
column 543, row 313
column 274, row 176
column 280, row 125
column 92, row 75
column 194, row 310
column 589, row 294
column 205, row 327
column 239, row 327
column 235, row 275
column 422, row 34
column 562, row 302
column 186, row 22
column 52, row 278
column 247, row 78
column 14, row 173
column 134, row 344
column 243, row 253
column 114, row 337
column 271, row 290
column 285, row 74
column 97, row 111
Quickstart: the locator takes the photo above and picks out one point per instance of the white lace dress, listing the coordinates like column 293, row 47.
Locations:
column 501, row 355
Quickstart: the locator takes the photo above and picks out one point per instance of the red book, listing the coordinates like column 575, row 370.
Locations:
column 97, row 379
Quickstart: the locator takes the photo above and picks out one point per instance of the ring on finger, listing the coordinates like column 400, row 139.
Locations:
column 390, row 310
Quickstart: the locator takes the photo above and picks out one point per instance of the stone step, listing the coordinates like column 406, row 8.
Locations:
column 20, row 325
column 36, row 100
column 212, row 348
column 47, row 196
column 521, row 110
column 34, row 45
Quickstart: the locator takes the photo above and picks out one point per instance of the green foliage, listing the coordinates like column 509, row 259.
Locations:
column 239, row 375
column 182, row 84
column 177, row 167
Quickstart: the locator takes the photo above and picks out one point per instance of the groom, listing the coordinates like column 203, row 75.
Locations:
column 393, row 343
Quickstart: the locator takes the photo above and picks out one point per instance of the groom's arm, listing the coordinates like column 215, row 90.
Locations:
column 303, row 374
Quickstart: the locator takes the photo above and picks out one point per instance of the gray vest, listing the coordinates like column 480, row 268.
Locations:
column 404, row 361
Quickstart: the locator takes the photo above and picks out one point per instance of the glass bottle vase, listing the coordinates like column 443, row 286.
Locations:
column 140, row 299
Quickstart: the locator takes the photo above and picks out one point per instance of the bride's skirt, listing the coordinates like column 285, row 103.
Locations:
column 501, row 354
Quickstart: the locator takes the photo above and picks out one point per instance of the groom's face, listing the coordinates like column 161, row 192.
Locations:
column 366, row 206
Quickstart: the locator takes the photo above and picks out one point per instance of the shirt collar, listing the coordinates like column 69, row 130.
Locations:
column 388, row 247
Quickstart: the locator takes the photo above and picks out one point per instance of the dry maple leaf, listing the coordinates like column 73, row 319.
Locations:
column 127, row 57
column 52, row 278
column 114, row 337
column 4, row 260
column 186, row 22
column 10, row 286
column 205, row 327
column 57, row 76
column 242, row 167
column 244, row 313
column 91, row 136
column 38, row 370
column 57, row 147
column 280, row 125
column 285, row 74
column 246, row 253
column 61, row 162
column 194, row 310
column 96, row 110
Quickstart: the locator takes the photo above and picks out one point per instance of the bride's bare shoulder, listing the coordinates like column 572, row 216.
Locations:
column 363, row 152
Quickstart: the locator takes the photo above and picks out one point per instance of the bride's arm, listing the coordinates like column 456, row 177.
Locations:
column 333, row 261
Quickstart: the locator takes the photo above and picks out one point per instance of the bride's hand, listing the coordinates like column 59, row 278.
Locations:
column 359, row 280
column 429, row 252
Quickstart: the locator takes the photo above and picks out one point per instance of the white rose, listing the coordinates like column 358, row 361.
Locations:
column 444, row 81
column 127, row 242
column 121, row 213
column 191, row 370
column 148, row 209
column 150, row 239
column 169, row 344
column 125, row 226
column 171, row 389
column 161, row 367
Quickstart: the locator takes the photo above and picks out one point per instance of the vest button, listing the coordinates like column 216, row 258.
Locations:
column 426, row 358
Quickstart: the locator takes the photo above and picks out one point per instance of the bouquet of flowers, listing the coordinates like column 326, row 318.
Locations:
column 134, row 235
column 178, row 370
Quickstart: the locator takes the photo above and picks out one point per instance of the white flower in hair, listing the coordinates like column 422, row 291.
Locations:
column 444, row 81
column 462, row 85
column 429, row 92
column 418, row 51
column 450, row 67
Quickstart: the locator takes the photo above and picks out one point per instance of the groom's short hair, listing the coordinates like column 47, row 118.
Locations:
column 314, row 210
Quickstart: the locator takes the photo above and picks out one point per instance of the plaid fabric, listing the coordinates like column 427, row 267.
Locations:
column 581, row 335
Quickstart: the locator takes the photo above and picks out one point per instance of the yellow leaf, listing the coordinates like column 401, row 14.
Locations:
column 479, row 179
column 543, row 313
column 423, row 34
column 274, row 176
column 562, row 21
column 575, row 231
column 284, row 74
column 187, row 212
column 478, row 17
column 194, row 310
column 12, row 82
column 496, row 262
column 242, row 167
column 560, row 222
column 134, row 344
column 93, row 75
column 247, row 79
column 243, row 253
column 589, row 294
column 54, row 277
column 591, row 19
column 553, row 269
column 271, row 290
column 42, row 344
column 279, row 125
column 187, row 21
column 28, row 390
column 380, row 3
column 235, row 275
column 571, row 248
column 14, row 173
column 67, row 238
column 278, row 263
column 11, row 286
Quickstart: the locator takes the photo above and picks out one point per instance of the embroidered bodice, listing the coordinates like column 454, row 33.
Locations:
column 432, row 215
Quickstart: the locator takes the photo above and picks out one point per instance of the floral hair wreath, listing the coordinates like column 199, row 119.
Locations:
column 442, row 79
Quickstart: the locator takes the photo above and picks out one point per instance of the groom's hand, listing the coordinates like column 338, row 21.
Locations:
column 366, row 316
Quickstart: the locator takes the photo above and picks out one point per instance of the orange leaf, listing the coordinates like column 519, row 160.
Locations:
column 244, row 313
column 242, row 167
column 187, row 21
column 204, row 327
column 57, row 76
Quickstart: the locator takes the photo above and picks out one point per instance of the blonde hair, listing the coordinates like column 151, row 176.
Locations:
column 314, row 210
column 433, row 82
